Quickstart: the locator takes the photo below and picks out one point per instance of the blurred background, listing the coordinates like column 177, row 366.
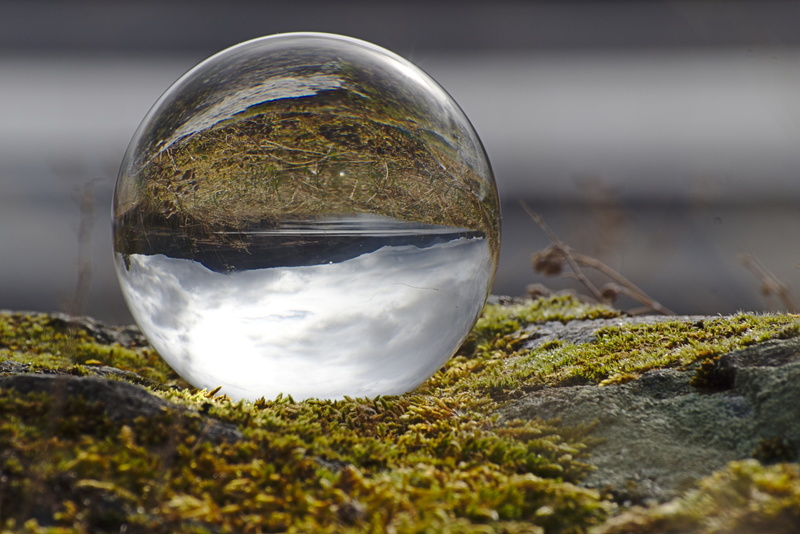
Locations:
column 660, row 138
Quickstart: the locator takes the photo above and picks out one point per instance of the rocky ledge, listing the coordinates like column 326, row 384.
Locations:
column 661, row 433
column 555, row 416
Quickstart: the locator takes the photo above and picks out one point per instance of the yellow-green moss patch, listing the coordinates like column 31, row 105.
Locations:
column 624, row 352
column 434, row 460
column 48, row 343
column 744, row 498
column 431, row 461
column 412, row 464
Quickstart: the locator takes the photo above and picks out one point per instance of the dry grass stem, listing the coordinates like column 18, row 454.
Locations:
column 770, row 285
column 551, row 260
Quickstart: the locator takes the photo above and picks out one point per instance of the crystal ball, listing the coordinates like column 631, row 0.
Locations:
column 305, row 214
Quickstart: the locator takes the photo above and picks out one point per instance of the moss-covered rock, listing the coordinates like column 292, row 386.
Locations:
column 745, row 497
column 98, row 435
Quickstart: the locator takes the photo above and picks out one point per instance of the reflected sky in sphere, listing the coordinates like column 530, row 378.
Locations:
column 380, row 323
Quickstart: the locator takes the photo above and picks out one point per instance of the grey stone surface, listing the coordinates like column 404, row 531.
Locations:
column 660, row 433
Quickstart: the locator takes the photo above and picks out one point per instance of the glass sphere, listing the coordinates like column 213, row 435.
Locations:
column 305, row 214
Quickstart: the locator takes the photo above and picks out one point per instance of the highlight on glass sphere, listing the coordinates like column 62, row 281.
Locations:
column 306, row 214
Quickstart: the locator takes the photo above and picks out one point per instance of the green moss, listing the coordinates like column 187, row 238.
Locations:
column 623, row 353
column 563, row 308
column 498, row 327
column 45, row 342
column 774, row 450
column 411, row 463
column 433, row 460
column 430, row 461
column 744, row 498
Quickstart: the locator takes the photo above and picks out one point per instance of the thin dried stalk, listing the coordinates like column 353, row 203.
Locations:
column 770, row 284
column 551, row 260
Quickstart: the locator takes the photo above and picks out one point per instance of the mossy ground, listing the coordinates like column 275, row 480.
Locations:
column 433, row 460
